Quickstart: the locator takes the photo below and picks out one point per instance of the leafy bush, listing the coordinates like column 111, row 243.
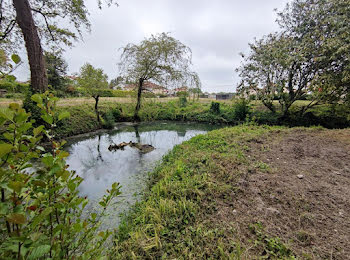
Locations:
column 182, row 101
column 13, row 86
column 116, row 114
column 241, row 109
column 108, row 120
column 41, row 213
column 215, row 107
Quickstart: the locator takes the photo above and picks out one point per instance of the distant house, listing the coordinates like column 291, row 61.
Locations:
column 148, row 86
column 224, row 96
column 73, row 78
column 181, row 89
column 154, row 88
column 129, row 87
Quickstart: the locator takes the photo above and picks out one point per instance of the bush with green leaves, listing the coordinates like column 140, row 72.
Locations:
column 241, row 109
column 42, row 215
column 182, row 101
column 215, row 107
column 108, row 118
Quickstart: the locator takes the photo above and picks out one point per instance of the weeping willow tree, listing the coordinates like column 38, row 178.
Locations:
column 161, row 59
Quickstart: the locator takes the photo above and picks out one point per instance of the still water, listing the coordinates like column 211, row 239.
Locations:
column 99, row 167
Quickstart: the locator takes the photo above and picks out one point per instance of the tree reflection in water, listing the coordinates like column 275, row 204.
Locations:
column 99, row 167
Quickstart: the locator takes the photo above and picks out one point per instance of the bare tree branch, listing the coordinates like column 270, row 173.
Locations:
column 46, row 21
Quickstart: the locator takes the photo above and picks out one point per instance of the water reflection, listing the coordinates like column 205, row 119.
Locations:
column 99, row 167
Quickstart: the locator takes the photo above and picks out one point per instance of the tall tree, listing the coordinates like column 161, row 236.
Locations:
column 161, row 59
column 38, row 20
column 93, row 80
column 310, row 55
column 56, row 68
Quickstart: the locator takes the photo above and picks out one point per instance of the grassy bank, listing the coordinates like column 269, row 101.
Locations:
column 83, row 118
column 199, row 204
column 173, row 221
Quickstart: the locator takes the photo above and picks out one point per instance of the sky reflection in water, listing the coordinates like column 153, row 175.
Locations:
column 99, row 167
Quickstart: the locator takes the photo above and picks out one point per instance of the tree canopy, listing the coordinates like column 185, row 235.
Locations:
column 309, row 56
column 48, row 16
column 37, row 21
column 92, row 78
column 160, row 58
column 56, row 68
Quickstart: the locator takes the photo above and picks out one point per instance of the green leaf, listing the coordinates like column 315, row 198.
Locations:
column 63, row 115
column 47, row 160
column 16, row 186
column 47, row 118
column 16, row 59
column 6, row 113
column 10, row 78
column 41, row 217
column 5, row 149
column 39, row 251
column 17, row 218
column 37, row 98
column 38, row 130
column 3, row 208
column 14, row 106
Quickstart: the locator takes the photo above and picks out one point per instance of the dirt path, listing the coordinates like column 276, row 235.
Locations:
column 299, row 191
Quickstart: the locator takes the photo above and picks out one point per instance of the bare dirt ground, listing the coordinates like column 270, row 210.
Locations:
column 302, row 196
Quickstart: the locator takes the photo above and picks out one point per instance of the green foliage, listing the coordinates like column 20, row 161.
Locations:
column 291, row 64
column 182, row 101
column 241, row 109
column 175, row 219
column 160, row 58
column 215, row 107
column 108, row 120
column 271, row 247
column 49, row 16
column 95, row 81
column 56, row 68
column 83, row 117
column 8, row 65
column 116, row 114
column 182, row 94
column 42, row 216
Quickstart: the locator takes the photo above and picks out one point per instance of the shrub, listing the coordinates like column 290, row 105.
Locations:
column 41, row 214
column 182, row 101
column 241, row 109
column 108, row 120
column 116, row 114
column 215, row 107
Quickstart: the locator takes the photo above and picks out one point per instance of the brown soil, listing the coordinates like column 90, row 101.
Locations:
column 303, row 197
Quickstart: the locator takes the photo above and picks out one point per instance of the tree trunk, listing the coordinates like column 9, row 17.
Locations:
column 138, row 104
column 25, row 21
column 96, row 108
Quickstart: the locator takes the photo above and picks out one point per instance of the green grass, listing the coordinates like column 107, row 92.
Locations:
column 83, row 117
column 174, row 219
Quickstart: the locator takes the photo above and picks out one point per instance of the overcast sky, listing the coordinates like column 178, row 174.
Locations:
column 216, row 31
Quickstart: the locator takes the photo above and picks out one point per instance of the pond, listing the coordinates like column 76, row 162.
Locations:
column 100, row 167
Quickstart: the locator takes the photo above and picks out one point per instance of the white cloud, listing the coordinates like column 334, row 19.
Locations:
column 216, row 31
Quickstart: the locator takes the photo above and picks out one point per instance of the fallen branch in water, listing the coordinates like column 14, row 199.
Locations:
column 144, row 148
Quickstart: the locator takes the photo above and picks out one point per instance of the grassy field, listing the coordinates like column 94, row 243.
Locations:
column 87, row 100
column 246, row 192
column 83, row 118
